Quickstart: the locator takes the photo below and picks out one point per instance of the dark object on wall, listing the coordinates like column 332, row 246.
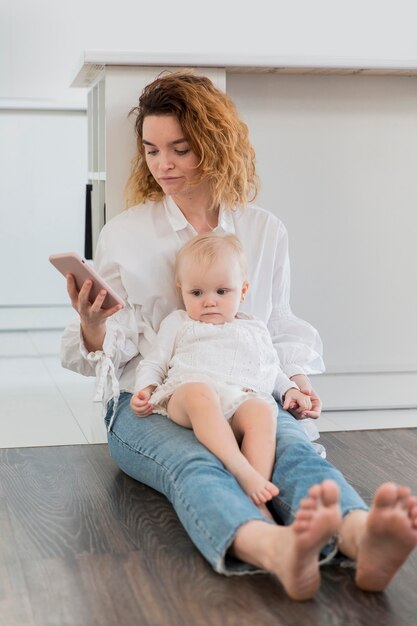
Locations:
column 88, row 238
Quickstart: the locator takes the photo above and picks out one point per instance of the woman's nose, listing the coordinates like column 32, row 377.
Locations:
column 165, row 162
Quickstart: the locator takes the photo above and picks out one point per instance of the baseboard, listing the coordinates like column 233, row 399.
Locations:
column 35, row 318
column 367, row 391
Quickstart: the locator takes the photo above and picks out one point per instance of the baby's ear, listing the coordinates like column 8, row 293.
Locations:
column 245, row 288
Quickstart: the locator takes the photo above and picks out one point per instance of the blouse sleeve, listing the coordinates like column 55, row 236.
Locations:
column 298, row 344
column 153, row 369
column 120, row 343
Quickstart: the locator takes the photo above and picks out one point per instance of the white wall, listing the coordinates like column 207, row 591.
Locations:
column 43, row 165
column 41, row 42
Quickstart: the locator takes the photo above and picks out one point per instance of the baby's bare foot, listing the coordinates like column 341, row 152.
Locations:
column 390, row 536
column 297, row 562
column 255, row 485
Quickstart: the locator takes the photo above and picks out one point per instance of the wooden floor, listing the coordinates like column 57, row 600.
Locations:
column 82, row 544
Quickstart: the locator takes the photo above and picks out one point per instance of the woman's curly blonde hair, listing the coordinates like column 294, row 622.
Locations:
column 216, row 134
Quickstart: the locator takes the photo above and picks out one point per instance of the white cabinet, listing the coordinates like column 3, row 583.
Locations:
column 337, row 162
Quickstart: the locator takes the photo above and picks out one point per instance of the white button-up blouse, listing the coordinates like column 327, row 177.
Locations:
column 135, row 255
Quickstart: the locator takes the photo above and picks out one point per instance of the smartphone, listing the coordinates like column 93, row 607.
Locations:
column 72, row 263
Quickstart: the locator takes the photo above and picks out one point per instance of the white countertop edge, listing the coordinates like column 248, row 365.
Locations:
column 93, row 63
column 108, row 57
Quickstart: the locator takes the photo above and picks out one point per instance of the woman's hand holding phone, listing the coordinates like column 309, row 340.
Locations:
column 93, row 316
column 92, row 298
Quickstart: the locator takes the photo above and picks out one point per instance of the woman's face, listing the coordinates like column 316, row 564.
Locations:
column 169, row 156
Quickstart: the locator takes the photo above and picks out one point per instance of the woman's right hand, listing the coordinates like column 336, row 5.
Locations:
column 93, row 317
column 306, row 388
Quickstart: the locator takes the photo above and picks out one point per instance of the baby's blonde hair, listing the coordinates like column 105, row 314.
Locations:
column 205, row 248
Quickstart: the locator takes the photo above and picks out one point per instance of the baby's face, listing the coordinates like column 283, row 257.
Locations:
column 212, row 293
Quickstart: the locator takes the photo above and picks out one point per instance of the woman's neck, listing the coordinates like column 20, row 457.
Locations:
column 196, row 206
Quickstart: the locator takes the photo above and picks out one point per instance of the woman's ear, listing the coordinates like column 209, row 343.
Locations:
column 245, row 288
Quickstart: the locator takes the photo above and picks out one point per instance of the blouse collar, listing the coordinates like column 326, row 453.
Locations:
column 178, row 220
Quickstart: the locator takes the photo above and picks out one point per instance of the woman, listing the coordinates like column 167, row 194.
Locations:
column 193, row 173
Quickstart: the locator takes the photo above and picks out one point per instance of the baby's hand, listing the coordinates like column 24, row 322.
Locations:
column 295, row 399
column 140, row 402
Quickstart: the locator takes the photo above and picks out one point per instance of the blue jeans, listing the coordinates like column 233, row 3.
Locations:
column 206, row 497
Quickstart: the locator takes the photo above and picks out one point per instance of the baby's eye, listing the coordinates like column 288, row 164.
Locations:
column 222, row 292
column 196, row 292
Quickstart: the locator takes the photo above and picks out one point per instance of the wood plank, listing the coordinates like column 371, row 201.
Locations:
column 82, row 544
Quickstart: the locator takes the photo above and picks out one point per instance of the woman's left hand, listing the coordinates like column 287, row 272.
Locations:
column 305, row 386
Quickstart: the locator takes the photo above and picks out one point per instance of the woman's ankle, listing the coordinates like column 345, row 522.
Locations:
column 252, row 543
column 351, row 532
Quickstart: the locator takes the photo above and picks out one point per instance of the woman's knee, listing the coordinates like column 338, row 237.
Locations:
column 159, row 453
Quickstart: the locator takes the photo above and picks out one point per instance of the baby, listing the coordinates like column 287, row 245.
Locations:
column 214, row 369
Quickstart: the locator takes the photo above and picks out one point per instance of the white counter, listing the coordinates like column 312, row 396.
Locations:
column 94, row 61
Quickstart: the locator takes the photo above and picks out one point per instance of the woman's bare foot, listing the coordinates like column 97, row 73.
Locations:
column 296, row 561
column 254, row 484
column 390, row 536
